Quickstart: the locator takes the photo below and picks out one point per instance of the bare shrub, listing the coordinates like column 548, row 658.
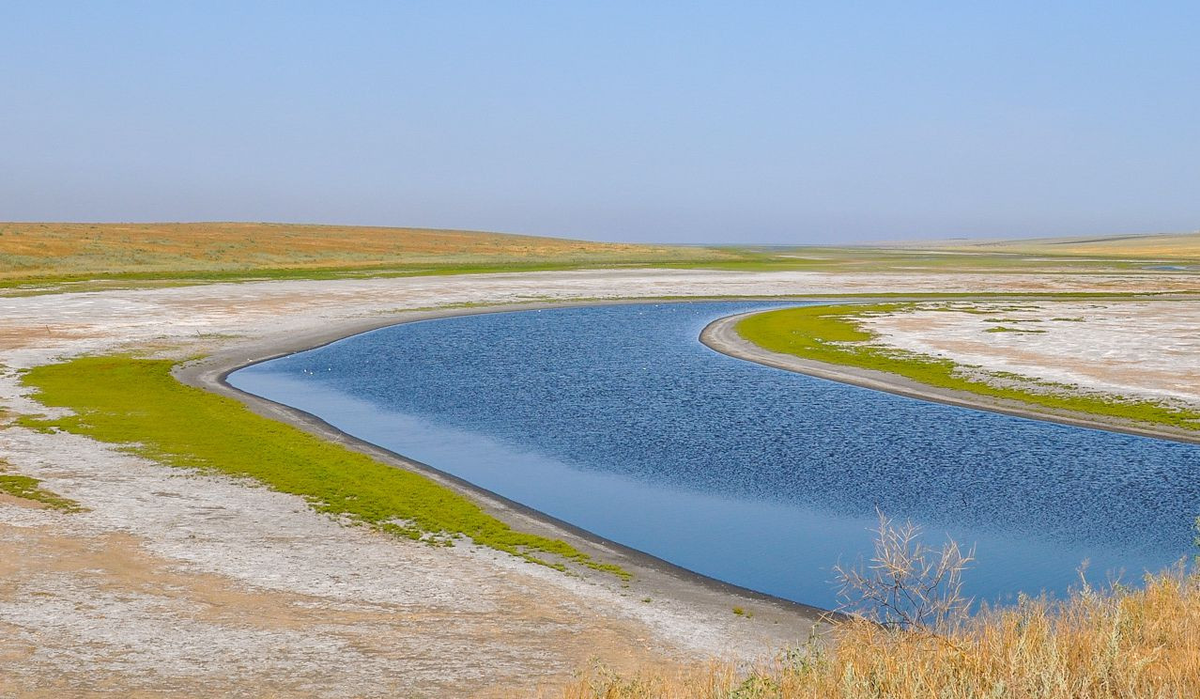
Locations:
column 907, row 584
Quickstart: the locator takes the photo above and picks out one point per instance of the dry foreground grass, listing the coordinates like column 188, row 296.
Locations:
column 154, row 580
column 1114, row 644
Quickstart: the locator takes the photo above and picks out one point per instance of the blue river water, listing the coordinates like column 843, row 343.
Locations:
column 618, row 420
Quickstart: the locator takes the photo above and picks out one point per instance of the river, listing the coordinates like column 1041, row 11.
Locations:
column 616, row 419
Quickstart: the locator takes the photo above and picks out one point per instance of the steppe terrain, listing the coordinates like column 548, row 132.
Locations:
column 175, row 581
column 80, row 251
column 1167, row 247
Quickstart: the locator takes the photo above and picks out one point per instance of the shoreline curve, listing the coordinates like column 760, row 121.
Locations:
column 652, row 576
column 721, row 336
column 785, row 620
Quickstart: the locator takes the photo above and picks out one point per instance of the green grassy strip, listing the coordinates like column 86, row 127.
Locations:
column 180, row 277
column 714, row 258
column 831, row 334
column 1005, row 329
column 139, row 404
column 59, row 283
column 28, row 488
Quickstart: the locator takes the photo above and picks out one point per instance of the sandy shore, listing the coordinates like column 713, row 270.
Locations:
column 721, row 336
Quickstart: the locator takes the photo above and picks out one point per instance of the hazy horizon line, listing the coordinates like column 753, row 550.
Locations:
column 855, row 244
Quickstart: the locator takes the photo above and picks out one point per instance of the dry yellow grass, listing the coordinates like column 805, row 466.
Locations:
column 1181, row 246
column 49, row 249
column 1140, row 643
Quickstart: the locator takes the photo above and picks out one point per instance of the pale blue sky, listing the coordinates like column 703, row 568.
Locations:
column 693, row 122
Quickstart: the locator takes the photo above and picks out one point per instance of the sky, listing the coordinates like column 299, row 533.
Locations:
column 701, row 122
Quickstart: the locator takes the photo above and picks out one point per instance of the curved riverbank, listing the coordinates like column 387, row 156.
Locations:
column 776, row 622
column 721, row 335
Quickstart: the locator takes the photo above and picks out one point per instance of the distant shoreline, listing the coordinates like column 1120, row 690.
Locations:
column 722, row 336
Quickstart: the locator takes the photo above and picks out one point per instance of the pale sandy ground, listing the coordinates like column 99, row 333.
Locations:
column 177, row 583
column 1144, row 349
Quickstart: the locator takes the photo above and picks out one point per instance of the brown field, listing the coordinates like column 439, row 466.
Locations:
column 1172, row 246
column 94, row 256
column 33, row 250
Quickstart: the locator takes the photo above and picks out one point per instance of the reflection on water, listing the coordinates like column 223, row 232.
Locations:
column 618, row 420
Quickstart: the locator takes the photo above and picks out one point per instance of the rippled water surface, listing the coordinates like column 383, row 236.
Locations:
column 617, row 419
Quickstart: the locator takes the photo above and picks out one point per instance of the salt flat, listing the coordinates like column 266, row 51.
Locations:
column 1143, row 349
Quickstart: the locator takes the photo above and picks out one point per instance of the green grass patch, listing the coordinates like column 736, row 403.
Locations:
column 28, row 488
column 139, row 404
column 833, row 334
column 58, row 283
column 1006, row 329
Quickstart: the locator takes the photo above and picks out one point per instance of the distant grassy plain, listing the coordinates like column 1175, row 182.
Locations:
column 85, row 256
column 1173, row 246
column 61, row 252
